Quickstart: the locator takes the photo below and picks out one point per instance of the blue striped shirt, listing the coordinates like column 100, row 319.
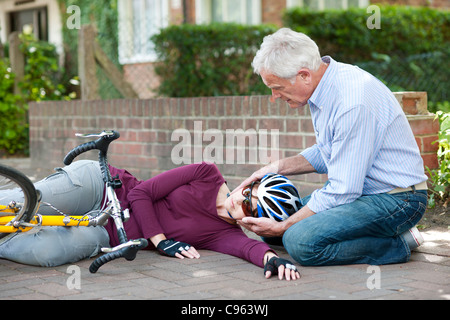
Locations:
column 363, row 139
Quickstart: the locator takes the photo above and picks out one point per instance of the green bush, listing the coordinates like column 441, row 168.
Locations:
column 41, row 81
column 440, row 178
column 409, row 52
column 13, row 122
column 344, row 33
column 42, row 75
column 209, row 60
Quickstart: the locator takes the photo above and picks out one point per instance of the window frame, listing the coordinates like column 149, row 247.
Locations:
column 204, row 12
column 133, row 29
column 322, row 4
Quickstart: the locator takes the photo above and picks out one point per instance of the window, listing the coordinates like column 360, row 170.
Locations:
column 139, row 20
column 327, row 4
column 239, row 11
column 36, row 18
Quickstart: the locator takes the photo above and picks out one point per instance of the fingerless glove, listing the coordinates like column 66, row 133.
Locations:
column 273, row 264
column 169, row 247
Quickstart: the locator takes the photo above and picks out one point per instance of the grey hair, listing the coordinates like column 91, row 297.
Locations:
column 285, row 52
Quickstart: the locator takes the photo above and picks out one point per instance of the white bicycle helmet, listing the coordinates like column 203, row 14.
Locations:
column 278, row 198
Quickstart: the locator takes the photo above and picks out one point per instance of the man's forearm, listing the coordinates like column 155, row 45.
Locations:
column 293, row 165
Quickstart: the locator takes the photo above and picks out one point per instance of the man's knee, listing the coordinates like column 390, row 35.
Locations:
column 301, row 245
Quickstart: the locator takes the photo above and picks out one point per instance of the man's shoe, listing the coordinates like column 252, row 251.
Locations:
column 413, row 238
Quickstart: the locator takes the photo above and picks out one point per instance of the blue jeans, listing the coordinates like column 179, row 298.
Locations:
column 76, row 189
column 366, row 231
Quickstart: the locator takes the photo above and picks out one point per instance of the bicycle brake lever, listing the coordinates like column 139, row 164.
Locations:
column 95, row 135
column 130, row 243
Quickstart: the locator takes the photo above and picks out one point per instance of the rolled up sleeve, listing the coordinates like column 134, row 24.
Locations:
column 314, row 157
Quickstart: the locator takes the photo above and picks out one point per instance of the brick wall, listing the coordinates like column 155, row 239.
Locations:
column 157, row 133
column 272, row 11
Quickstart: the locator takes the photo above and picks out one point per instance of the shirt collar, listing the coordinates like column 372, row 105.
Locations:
column 317, row 98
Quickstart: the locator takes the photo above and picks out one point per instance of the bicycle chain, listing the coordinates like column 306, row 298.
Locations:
column 67, row 216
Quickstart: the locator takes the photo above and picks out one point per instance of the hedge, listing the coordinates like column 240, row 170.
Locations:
column 209, row 60
column 409, row 52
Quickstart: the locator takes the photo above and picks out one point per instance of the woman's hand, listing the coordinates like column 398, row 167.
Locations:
column 282, row 267
column 180, row 250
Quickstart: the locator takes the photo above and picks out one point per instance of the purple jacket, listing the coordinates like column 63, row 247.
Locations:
column 181, row 204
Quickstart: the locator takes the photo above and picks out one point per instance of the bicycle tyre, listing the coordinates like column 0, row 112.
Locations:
column 11, row 178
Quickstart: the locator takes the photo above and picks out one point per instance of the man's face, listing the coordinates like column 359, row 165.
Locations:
column 296, row 95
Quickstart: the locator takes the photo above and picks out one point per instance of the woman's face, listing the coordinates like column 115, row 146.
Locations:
column 234, row 206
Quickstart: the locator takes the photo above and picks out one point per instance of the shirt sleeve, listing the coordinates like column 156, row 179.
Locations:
column 348, row 156
column 143, row 197
column 313, row 156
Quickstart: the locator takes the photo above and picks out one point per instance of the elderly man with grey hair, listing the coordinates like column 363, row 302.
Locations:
column 376, row 190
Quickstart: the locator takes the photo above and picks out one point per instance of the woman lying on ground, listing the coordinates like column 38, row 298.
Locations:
column 191, row 204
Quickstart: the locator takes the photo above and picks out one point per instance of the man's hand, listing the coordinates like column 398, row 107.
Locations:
column 266, row 227
column 263, row 227
column 258, row 175
column 288, row 166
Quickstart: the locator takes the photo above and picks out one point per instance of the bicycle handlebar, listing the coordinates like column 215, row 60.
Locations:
column 128, row 252
column 101, row 144
column 79, row 150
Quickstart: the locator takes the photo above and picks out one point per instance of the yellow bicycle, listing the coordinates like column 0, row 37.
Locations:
column 21, row 215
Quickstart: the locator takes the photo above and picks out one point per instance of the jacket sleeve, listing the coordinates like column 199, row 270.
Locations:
column 144, row 196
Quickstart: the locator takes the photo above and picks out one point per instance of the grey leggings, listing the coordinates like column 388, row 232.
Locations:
column 75, row 190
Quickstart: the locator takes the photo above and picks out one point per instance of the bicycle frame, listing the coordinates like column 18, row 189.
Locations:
column 126, row 249
column 39, row 220
column 56, row 220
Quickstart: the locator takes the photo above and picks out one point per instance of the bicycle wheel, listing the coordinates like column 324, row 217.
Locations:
column 13, row 181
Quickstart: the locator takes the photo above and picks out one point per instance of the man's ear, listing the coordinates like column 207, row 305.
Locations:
column 304, row 75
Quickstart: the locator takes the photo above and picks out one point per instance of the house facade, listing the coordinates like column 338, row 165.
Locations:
column 140, row 19
column 44, row 16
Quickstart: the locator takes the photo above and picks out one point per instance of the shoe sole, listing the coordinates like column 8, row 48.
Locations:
column 417, row 236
